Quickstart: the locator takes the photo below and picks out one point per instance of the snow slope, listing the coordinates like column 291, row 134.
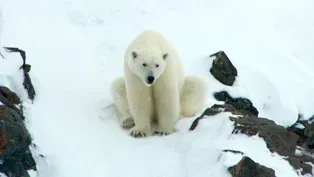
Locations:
column 76, row 49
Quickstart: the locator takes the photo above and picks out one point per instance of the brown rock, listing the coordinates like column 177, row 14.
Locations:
column 222, row 69
column 277, row 138
column 248, row 168
column 215, row 109
column 10, row 96
column 15, row 139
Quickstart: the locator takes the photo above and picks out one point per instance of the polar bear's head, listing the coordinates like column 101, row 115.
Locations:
column 148, row 66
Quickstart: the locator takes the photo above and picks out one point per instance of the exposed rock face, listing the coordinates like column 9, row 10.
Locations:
column 222, row 69
column 305, row 130
column 243, row 105
column 278, row 139
column 15, row 139
column 208, row 112
column 9, row 96
column 296, row 143
column 26, row 69
column 248, row 168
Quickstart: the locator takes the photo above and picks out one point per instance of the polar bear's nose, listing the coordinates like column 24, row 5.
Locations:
column 150, row 79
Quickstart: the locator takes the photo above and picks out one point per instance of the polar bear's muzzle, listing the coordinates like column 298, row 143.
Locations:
column 150, row 79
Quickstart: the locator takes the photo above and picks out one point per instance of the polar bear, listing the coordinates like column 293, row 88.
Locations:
column 154, row 94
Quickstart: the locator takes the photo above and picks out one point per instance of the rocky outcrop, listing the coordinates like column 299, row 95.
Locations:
column 296, row 143
column 222, row 69
column 305, row 130
column 243, row 105
column 15, row 139
column 278, row 139
column 27, row 83
column 248, row 168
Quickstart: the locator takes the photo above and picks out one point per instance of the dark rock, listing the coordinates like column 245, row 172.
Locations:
column 29, row 86
column 233, row 151
column 215, row 109
column 18, row 164
column 14, row 138
column 306, row 134
column 10, row 96
column 222, row 69
column 300, row 133
column 301, row 163
column 26, row 68
column 277, row 138
column 248, row 168
column 13, row 133
column 243, row 105
column 13, row 168
column 8, row 99
column 301, row 160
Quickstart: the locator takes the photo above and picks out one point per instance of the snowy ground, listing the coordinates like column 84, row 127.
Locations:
column 76, row 49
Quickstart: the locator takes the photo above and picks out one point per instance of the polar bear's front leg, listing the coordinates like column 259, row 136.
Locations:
column 167, row 105
column 141, row 108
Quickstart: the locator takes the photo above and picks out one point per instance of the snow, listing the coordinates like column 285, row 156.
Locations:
column 76, row 49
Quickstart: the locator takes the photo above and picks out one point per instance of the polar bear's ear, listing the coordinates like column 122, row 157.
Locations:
column 134, row 54
column 165, row 56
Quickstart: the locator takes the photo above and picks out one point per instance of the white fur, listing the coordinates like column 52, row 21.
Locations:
column 161, row 101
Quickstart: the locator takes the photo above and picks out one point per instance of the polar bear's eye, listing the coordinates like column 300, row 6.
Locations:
column 134, row 54
column 165, row 56
column 157, row 66
column 144, row 64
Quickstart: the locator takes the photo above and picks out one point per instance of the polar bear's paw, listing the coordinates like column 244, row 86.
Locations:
column 163, row 132
column 137, row 132
column 128, row 123
column 159, row 133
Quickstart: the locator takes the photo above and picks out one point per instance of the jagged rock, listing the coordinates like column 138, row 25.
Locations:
column 18, row 164
column 301, row 162
column 10, row 96
column 278, row 139
column 241, row 104
column 305, row 130
column 29, row 86
column 233, row 151
column 222, row 69
column 248, row 168
column 14, row 138
column 10, row 99
column 13, row 168
column 26, row 68
column 216, row 109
